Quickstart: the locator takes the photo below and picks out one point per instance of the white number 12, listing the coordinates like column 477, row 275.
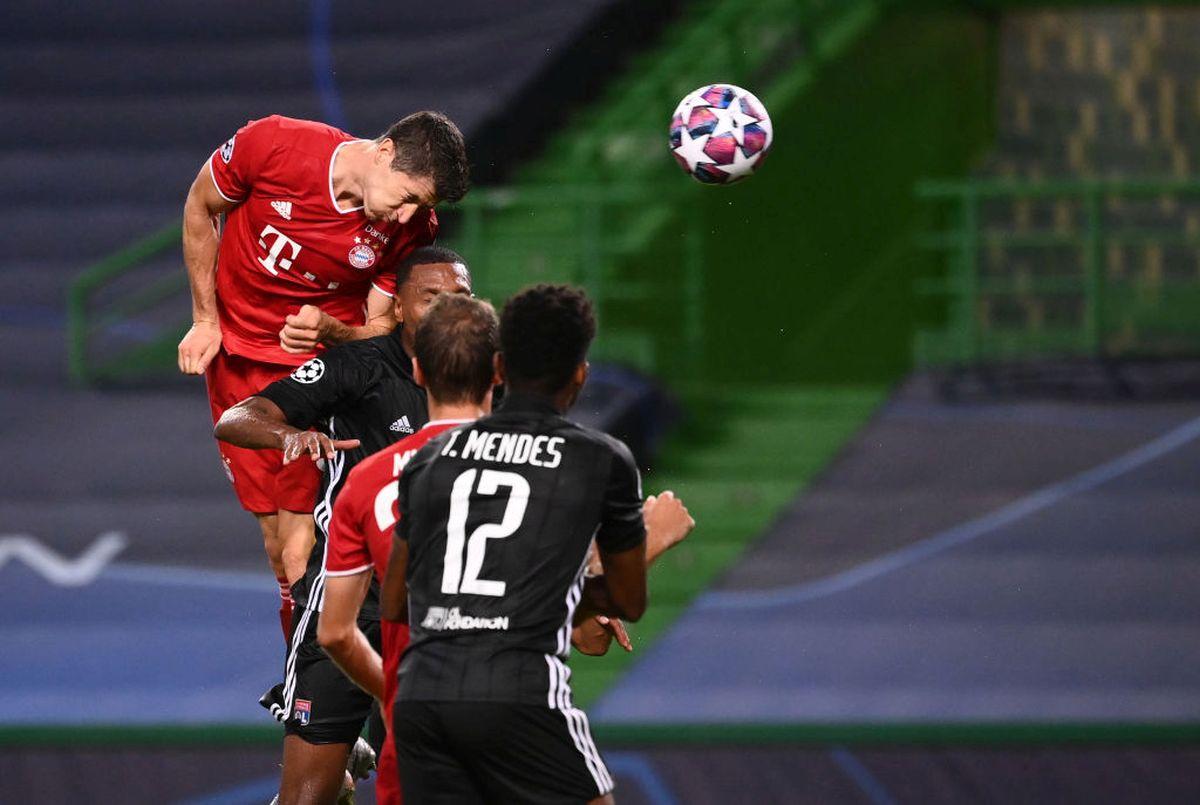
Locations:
column 456, row 578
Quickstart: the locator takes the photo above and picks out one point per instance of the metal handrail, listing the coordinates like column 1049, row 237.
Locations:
column 966, row 285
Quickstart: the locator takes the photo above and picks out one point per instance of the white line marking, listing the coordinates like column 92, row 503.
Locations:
column 58, row 569
column 202, row 577
column 1032, row 503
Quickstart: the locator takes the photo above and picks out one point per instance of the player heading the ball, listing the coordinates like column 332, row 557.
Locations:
column 316, row 221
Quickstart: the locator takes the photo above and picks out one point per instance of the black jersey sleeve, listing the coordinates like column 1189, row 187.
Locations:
column 621, row 523
column 412, row 471
column 404, row 503
column 315, row 390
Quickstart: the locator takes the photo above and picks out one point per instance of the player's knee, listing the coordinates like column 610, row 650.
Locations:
column 294, row 558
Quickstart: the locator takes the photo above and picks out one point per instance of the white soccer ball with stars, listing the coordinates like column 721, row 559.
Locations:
column 720, row 133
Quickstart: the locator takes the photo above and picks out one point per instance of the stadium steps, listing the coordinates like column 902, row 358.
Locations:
column 743, row 457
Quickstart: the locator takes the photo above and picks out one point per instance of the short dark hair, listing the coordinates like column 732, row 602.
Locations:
column 455, row 345
column 545, row 332
column 426, row 255
column 429, row 144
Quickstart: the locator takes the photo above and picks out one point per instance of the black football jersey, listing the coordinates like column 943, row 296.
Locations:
column 360, row 390
column 499, row 515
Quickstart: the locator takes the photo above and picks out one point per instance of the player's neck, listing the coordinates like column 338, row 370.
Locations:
column 439, row 412
column 349, row 164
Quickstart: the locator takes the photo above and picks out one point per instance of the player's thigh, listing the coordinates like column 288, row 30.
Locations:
column 296, row 486
column 429, row 771
column 253, row 475
column 527, row 754
column 312, row 773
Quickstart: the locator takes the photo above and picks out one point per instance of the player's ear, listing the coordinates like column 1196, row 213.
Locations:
column 498, row 366
column 581, row 374
column 385, row 152
column 397, row 308
column 418, row 375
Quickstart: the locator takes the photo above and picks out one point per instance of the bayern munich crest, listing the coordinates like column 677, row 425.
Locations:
column 362, row 256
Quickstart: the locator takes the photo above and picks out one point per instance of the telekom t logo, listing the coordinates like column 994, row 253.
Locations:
column 276, row 249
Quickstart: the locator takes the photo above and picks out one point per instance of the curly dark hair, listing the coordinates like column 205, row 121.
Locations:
column 429, row 144
column 425, row 255
column 455, row 345
column 545, row 332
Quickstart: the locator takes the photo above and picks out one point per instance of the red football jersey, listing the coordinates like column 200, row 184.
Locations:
column 288, row 244
column 360, row 537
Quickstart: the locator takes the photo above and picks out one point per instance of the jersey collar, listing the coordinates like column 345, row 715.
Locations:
column 332, row 197
column 525, row 402
column 436, row 422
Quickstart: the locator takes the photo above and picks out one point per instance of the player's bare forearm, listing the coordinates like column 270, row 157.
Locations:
column 201, row 242
column 309, row 327
column 393, row 594
column 335, row 332
column 255, row 423
column 357, row 659
column 339, row 635
column 201, row 239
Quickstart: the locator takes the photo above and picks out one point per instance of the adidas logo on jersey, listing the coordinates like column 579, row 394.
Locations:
column 284, row 208
column 401, row 426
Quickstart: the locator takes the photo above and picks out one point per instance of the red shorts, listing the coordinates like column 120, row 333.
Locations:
column 262, row 483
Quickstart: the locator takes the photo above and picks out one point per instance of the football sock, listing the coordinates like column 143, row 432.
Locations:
column 285, row 607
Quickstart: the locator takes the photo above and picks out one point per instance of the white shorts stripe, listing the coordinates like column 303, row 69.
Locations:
column 321, row 516
column 577, row 724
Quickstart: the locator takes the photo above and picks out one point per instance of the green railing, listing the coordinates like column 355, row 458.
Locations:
column 573, row 233
column 1075, row 269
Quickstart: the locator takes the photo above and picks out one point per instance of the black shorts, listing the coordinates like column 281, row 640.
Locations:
column 315, row 700
column 476, row 752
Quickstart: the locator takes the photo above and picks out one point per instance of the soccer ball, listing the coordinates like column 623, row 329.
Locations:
column 720, row 133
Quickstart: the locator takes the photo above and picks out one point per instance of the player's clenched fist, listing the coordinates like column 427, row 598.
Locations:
column 302, row 331
column 316, row 445
column 198, row 347
column 667, row 522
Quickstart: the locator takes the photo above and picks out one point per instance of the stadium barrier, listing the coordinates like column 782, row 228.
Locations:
column 1094, row 268
column 572, row 233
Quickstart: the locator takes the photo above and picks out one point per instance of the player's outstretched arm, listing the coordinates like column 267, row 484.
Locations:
column 303, row 331
column 201, row 239
column 257, row 423
column 339, row 635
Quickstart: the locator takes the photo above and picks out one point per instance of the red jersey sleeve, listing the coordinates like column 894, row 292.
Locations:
column 385, row 280
column 348, row 553
column 237, row 163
